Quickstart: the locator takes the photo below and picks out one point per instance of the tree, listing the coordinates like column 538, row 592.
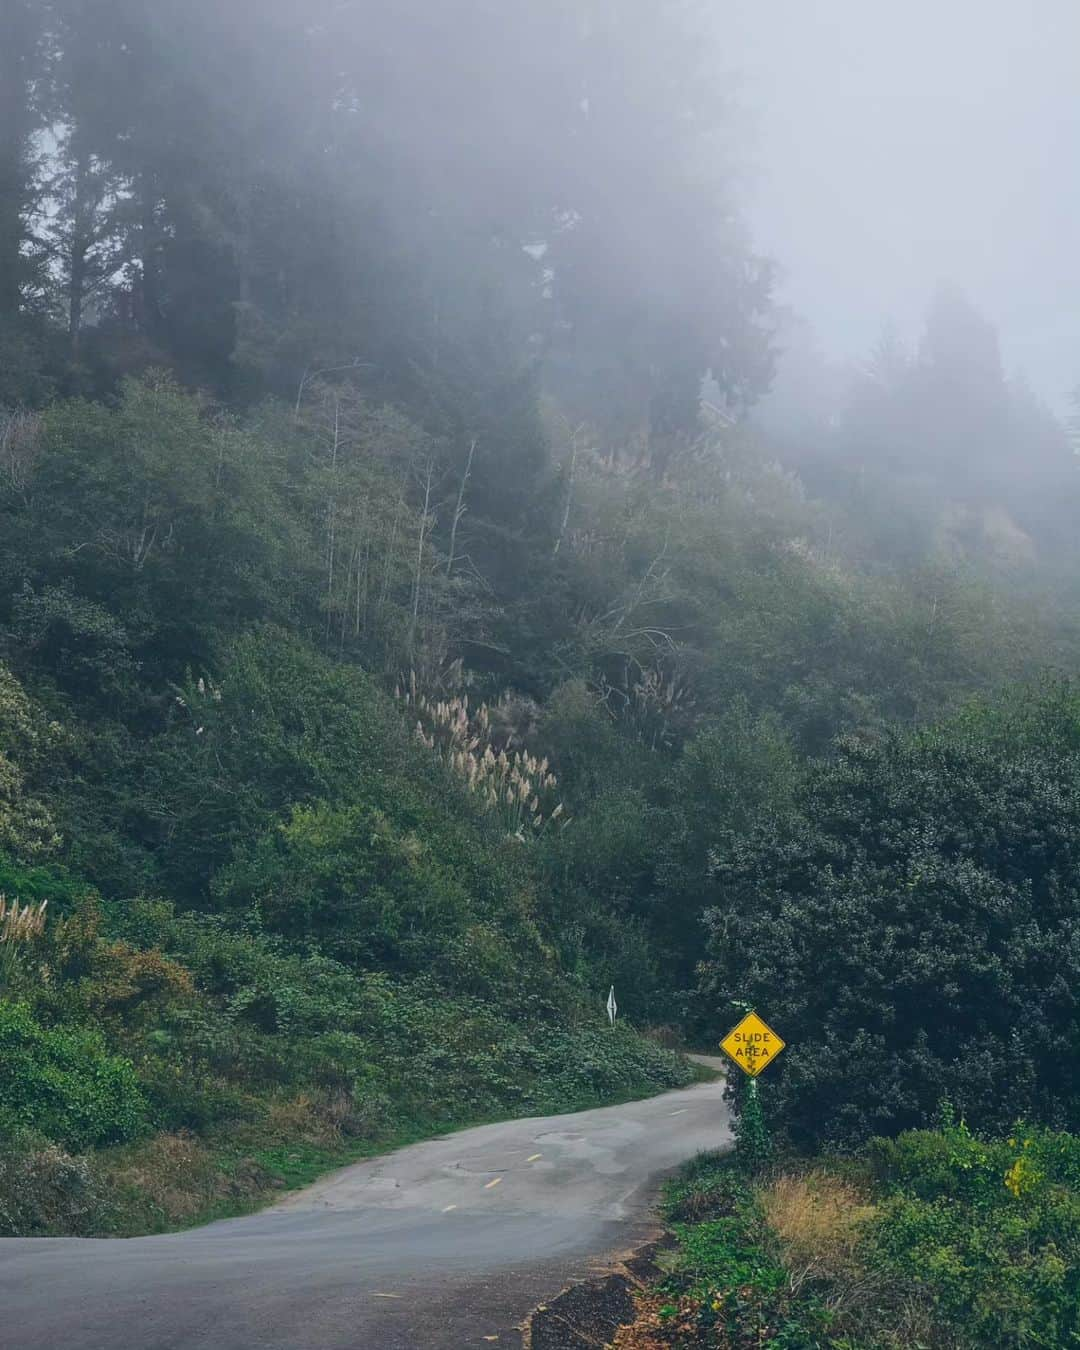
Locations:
column 90, row 225
column 653, row 283
column 912, row 930
column 959, row 393
column 24, row 106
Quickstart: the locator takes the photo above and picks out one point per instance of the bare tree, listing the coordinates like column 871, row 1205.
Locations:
column 574, row 442
column 427, row 520
column 331, row 526
column 460, row 508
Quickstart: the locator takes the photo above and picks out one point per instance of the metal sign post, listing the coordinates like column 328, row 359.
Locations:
column 753, row 1045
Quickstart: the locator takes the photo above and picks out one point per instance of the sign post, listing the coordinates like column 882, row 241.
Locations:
column 612, row 1006
column 753, row 1045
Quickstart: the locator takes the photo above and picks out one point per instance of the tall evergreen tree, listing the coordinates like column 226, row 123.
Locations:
column 91, row 238
column 24, row 105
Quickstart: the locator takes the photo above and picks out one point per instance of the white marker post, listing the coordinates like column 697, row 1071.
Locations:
column 612, row 1006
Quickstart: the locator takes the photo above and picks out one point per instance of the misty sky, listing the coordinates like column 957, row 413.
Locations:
column 900, row 142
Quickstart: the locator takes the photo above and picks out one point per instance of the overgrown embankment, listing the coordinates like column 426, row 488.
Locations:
column 161, row 1069
column 936, row 1239
column 218, row 1123
column 336, row 948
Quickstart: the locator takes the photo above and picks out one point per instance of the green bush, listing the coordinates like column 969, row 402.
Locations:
column 913, row 931
column 269, row 1019
column 951, row 1162
column 61, row 1083
column 986, row 1232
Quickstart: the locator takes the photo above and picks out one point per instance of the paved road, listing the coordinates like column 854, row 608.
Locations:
column 439, row 1246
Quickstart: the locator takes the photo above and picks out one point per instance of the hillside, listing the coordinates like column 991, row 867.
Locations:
column 436, row 586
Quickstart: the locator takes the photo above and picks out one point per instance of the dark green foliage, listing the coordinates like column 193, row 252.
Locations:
column 754, row 1148
column 142, row 526
column 912, row 927
column 78, row 638
column 426, row 1049
column 738, row 775
column 33, row 884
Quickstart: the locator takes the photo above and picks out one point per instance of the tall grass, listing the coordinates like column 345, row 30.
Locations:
column 511, row 783
column 19, row 926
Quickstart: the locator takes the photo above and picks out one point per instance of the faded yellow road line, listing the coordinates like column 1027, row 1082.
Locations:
column 489, row 1184
column 449, row 1208
column 534, row 1157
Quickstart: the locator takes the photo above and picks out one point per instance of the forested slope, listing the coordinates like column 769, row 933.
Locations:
column 396, row 650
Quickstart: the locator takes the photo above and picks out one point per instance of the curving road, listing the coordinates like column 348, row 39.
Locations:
column 439, row 1246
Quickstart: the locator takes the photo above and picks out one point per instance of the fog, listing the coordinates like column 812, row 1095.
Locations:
column 898, row 145
column 286, row 187
column 493, row 493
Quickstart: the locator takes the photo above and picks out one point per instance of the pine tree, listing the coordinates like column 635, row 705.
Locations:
column 24, row 106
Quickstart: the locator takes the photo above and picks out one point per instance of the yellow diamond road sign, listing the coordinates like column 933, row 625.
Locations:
column 753, row 1044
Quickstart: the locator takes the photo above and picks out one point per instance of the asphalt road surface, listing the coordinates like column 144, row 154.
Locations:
column 439, row 1246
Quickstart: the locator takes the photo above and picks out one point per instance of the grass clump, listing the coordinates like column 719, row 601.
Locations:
column 729, row 1284
column 819, row 1220
column 47, row 1192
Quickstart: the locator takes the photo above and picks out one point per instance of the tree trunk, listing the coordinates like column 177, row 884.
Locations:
column 19, row 58
column 148, row 254
column 80, row 241
column 331, row 510
column 425, row 520
column 459, row 509
column 569, row 486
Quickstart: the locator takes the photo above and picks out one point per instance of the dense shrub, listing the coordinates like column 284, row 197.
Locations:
column 219, row 1018
column 728, row 1284
column 912, row 933
column 62, row 1084
column 986, row 1232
